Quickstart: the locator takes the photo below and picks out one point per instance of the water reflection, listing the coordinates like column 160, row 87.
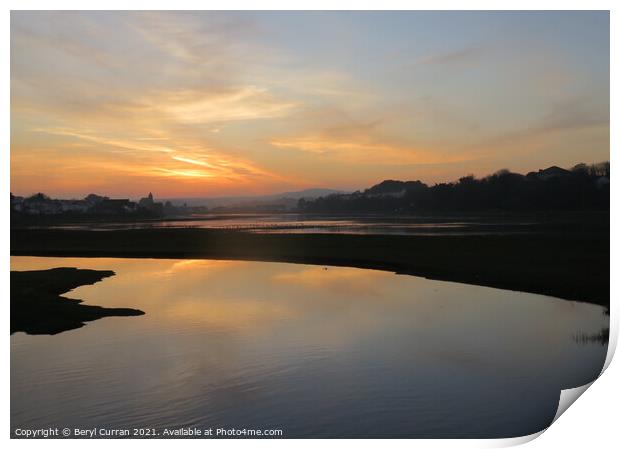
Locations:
column 309, row 224
column 315, row 351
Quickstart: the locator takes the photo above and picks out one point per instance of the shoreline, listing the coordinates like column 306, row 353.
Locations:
column 570, row 265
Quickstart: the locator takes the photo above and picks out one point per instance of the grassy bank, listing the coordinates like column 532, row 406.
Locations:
column 570, row 265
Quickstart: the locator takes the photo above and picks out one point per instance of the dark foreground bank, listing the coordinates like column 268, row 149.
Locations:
column 567, row 264
column 38, row 308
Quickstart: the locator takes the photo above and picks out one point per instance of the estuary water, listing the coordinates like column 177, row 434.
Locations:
column 312, row 351
column 328, row 224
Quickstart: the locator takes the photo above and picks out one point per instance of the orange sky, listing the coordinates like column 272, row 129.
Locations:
column 214, row 104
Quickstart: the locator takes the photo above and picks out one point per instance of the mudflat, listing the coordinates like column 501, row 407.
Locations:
column 37, row 306
column 571, row 265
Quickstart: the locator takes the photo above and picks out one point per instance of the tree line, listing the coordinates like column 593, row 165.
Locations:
column 583, row 187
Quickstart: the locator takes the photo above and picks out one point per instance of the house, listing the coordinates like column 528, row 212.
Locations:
column 113, row 207
column 93, row 199
column 74, row 206
column 41, row 204
column 17, row 203
column 548, row 173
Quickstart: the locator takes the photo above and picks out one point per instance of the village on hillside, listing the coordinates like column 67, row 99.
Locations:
column 97, row 205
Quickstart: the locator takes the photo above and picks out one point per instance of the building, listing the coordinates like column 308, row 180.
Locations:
column 146, row 203
column 149, row 204
column 548, row 173
column 113, row 207
column 17, row 203
column 41, row 204
column 79, row 206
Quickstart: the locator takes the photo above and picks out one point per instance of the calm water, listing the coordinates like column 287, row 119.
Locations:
column 310, row 224
column 314, row 351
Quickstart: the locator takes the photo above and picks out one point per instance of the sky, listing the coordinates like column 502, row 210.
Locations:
column 198, row 104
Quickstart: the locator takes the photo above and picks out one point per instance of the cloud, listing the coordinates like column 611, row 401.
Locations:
column 197, row 38
column 376, row 153
column 225, row 103
column 231, row 104
column 192, row 161
column 128, row 120
column 562, row 119
column 573, row 113
column 366, row 143
column 146, row 159
column 129, row 145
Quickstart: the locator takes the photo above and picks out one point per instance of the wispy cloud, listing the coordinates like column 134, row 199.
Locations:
column 223, row 103
column 366, row 143
column 231, row 104
column 375, row 153
column 192, row 161
column 130, row 145
column 151, row 159
column 573, row 113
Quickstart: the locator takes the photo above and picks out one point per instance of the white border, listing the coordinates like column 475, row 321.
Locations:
column 591, row 423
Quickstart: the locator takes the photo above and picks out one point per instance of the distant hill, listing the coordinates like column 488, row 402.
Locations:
column 583, row 187
column 308, row 193
column 394, row 188
column 285, row 199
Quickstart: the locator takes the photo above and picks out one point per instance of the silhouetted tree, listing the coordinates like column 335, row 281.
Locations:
column 584, row 187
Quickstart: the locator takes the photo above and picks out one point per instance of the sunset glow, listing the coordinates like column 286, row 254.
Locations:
column 195, row 104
